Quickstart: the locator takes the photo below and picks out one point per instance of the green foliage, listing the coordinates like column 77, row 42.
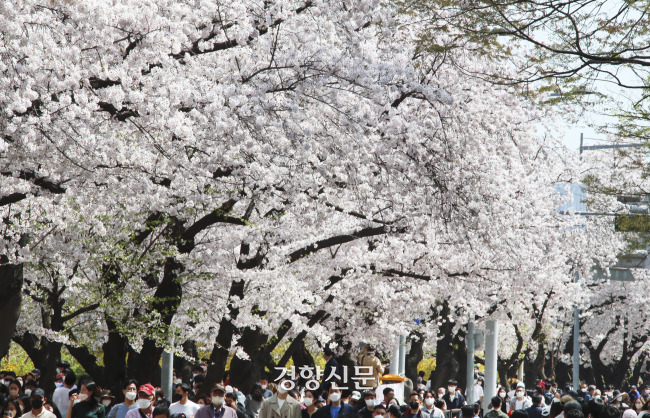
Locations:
column 19, row 362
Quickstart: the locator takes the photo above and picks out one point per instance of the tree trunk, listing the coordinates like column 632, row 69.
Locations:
column 89, row 362
column 221, row 350
column 11, row 284
column 414, row 356
column 44, row 354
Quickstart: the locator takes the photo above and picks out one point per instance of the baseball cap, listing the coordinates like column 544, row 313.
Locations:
column 38, row 392
column 148, row 389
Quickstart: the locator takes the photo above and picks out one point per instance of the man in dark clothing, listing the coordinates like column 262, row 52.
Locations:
column 331, row 370
column 535, row 411
column 414, row 407
column 467, row 411
column 369, row 399
column 379, row 412
column 335, row 407
column 452, row 399
column 496, row 411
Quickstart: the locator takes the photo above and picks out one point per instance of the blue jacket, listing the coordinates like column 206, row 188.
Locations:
column 324, row 412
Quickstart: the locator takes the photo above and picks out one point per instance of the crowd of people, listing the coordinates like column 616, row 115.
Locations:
column 23, row 397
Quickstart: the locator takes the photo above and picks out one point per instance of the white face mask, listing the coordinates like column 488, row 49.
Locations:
column 370, row 402
column 130, row 395
column 335, row 397
column 82, row 397
column 308, row 401
column 106, row 402
column 452, row 390
column 217, row 400
column 440, row 395
column 281, row 389
column 144, row 403
column 520, row 394
column 28, row 392
column 263, row 387
column 428, row 401
column 502, row 394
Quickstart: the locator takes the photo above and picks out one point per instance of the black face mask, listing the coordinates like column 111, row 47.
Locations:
column 36, row 403
column 176, row 397
column 414, row 405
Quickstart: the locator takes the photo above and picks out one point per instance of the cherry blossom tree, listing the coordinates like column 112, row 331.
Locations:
column 242, row 173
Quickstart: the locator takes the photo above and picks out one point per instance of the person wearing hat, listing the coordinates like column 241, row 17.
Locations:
column 106, row 398
column 146, row 395
column 36, row 400
column 520, row 400
column 184, row 405
column 371, row 363
column 130, row 392
column 218, row 408
column 354, row 398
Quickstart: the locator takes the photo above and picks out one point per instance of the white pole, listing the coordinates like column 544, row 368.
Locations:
column 167, row 374
column 491, row 347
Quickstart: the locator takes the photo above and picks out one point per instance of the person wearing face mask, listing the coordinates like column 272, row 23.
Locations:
column 427, row 406
column 88, row 405
column 218, row 408
column 264, row 382
column 441, row 393
column 61, row 395
column 379, row 411
column 370, row 400
column 144, row 403
column 14, row 389
column 11, row 409
column 453, row 399
column 520, row 401
column 639, row 405
column 130, row 392
column 107, row 399
column 505, row 400
column 334, row 408
column 414, row 405
column 310, row 400
column 184, row 405
column 231, row 401
column 37, row 400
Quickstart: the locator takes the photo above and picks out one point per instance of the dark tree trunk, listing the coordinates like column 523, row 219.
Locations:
column 115, row 351
column 451, row 361
column 44, row 354
column 221, row 350
column 414, row 356
column 89, row 362
column 11, row 284
column 182, row 366
column 249, row 371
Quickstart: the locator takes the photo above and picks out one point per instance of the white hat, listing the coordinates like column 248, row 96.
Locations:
column 229, row 389
column 521, row 385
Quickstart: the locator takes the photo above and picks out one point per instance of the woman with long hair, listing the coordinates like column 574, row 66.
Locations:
column 88, row 405
column 254, row 400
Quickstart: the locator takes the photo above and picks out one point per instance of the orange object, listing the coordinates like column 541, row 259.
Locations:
column 392, row 378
